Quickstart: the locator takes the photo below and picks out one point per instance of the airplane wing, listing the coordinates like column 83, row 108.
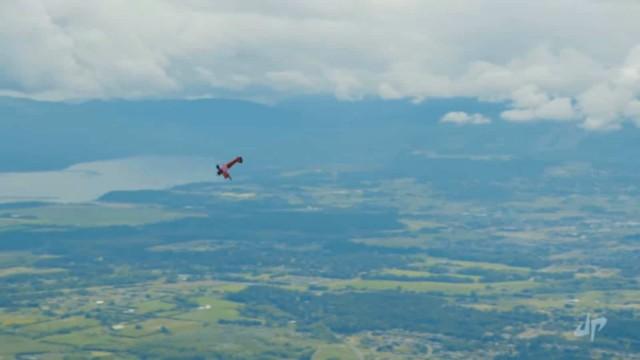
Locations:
column 234, row 161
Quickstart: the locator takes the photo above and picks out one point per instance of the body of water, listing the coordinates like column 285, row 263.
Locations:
column 88, row 181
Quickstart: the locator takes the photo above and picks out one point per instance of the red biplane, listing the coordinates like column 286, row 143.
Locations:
column 224, row 168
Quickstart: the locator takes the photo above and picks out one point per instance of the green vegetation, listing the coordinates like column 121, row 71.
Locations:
column 19, row 270
column 12, row 345
column 65, row 325
column 92, row 215
column 348, row 270
column 332, row 352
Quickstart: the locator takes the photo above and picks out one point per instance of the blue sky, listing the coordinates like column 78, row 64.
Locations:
column 549, row 60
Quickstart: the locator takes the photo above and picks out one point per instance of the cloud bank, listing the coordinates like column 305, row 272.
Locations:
column 555, row 60
column 463, row 118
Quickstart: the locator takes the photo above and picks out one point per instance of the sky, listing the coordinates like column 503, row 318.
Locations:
column 547, row 60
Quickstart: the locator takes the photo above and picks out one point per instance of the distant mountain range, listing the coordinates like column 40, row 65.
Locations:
column 303, row 132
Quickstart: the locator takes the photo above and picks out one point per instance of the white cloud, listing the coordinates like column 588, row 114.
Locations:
column 462, row 118
column 606, row 104
column 529, row 103
column 551, row 59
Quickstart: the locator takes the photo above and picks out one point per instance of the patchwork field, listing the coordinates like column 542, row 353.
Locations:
column 353, row 270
